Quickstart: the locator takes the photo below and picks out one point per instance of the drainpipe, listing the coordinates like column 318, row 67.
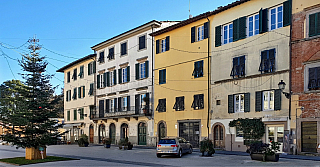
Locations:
column 290, row 64
column 208, row 121
column 152, row 84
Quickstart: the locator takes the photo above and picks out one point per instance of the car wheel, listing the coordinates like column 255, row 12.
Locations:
column 179, row 154
column 190, row 150
column 159, row 155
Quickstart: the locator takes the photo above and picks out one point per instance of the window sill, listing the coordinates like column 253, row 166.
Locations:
column 198, row 77
column 139, row 50
column 122, row 55
column 312, row 91
column 162, row 83
column 142, row 78
column 122, row 83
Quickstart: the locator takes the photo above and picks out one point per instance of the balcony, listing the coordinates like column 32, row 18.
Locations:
column 132, row 111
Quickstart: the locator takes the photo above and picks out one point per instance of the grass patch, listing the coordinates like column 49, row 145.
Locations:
column 23, row 161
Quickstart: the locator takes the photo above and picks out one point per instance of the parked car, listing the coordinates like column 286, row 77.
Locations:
column 173, row 146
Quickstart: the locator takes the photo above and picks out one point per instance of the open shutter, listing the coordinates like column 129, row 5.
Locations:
column 148, row 102
column 89, row 66
column 107, row 105
column 247, row 102
column 128, row 103
column 105, row 79
column 115, row 76
column 235, row 30
column 218, row 36
column 263, row 20
column 137, row 71
column 98, row 81
column 128, row 73
column 277, row 99
column 195, row 99
column 83, row 91
column 259, row 101
column 115, row 105
column 157, row 46
column 206, row 30
column 120, row 75
column 137, row 103
column 242, row 29
column 108, row 79
column 230, row 104
column 193, row 34
column 287, row 10
column 119, row 104
column 167, row 43
column 79, row 92
column 94, row 66
column 146, row 68
column 312, row 24
column 67, row 96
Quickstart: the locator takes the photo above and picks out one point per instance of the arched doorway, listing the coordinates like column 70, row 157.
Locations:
column 218, row 136
column 142, row 134
column 124, row 131
column 161, row 130
column 102, row 132
column 91, row 133
column 112, row 133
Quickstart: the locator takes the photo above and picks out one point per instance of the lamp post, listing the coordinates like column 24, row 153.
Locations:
column 282, row 86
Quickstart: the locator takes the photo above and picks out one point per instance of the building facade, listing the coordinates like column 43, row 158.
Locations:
column 250, row 56
column 305, row 56
column 79, row 97
column 124, row 86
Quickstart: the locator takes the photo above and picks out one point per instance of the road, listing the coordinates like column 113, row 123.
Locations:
column 100, row 156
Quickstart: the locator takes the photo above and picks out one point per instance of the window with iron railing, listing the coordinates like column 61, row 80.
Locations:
column 267, row 64
column 238, row 68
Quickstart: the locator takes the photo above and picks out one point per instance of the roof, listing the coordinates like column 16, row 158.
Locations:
column 199, row 17
column 122, row 34
column 76, row 62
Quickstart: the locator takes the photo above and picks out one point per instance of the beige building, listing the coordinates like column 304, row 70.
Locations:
column 79, row 102
column 250, row 56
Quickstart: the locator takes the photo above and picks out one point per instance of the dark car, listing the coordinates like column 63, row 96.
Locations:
column 173, row 146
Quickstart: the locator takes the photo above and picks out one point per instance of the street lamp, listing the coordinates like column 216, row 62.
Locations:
column 282, row 86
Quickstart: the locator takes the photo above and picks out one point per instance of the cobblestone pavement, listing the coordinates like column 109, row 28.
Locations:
column 100, row 156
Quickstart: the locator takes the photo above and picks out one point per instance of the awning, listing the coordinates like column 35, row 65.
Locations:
column 68, row 126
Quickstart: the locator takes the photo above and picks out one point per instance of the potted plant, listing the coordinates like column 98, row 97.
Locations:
column 264, row 152
column 83, row 141
column 125, row 144
column 106, row 142
column 206, row 147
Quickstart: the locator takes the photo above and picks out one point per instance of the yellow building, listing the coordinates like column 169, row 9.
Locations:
column 181, row 79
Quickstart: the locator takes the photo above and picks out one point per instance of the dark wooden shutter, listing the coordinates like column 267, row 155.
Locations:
column 84, row 90
column 142, row 41
column 137, row 71
column 148, row 102
column 128, row 73
column 157, row 46
column 94, row 66
column 89, row 66
column 101, row 107
column 67, row 95
column 247, row 102
column 230, row 104
column 98, row 81
column 206, row 30
column 287, row 10
column 120, row 75
column 107, row 105
column 277, row 99
column 104, row 79
column 218, row 36
column 167, row 43
column 119, row 104
column 147, row 69
column 258, row 101
column 263, row 20
column 108, row 79
column 242, row 28
column 137, row 103
column 115, row 104
column 128, row 103
column 312, row 24
column 318, row 24
column 193, row 34
column 312, row 78
column 235, row 30
column 160, row 76
column 115, row 76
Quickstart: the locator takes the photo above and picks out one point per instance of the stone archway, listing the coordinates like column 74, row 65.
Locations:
column 218, row 131
column 102, row 132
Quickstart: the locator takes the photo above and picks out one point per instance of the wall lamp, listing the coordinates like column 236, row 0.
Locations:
column 282, row 85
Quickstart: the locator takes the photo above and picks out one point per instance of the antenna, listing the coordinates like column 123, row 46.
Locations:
column 190, row 16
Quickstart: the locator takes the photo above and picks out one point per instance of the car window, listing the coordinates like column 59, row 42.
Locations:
column 167, row 141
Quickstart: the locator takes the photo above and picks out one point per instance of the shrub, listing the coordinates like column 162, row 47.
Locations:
column 206, row 145
column 83, row 141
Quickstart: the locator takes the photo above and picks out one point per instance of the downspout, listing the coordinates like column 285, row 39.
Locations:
column 152, row 85
column 290, row 64
column 208, row 121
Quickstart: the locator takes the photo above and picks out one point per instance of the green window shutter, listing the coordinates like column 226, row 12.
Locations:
column 115, row 76
column 193, row 34
column 318, row 24
column 94, row 67
column 263, row 21
column 89, row 65
column 91, row 89
column 137, row 71
column 128, row 73
column 74, row 114
column 312, row 24
column 167, row 43
column 108, row 78
column 115, row 104
column 104, row 80
column 83, row 92
column 128, row 103
column 68, row 115
column 287, row 10
column 120, row 75
column 277, row 99
column 230, row 104
column 75, row 93
column 98, row 81
column 82, row 71
column 247, row 102
column 206, row 30
column 107, row 105
column 242, row 27
column 235, row 30
column 119, row 104
column 79, row 92
column 157, row 46
column 218, row 36
column 147, row 69
column 258, row 101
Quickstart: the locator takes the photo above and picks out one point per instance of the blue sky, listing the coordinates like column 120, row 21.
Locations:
column 68, row 28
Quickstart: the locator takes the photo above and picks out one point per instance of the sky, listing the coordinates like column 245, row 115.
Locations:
column 67, row 29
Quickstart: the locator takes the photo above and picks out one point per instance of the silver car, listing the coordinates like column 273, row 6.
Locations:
column 173, row 146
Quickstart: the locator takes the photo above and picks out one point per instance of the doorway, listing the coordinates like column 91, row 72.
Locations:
column 309, row 136
column 124, row 131
column 142, row 134
column 218, row 132
column 91, row 133
column 191, row 132
column 275, row 133
column 102, row 132
column 112, row 133
column 162, row 130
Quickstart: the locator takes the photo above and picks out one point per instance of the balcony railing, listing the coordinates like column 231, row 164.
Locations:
column 123, row 111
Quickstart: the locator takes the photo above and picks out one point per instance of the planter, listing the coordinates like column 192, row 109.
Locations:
column 34, row 153
column 107, row 145
column 262, row 157
column 206, row 154
column 130, row 147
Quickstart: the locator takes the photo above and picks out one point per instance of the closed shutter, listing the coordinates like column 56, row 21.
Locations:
column 218, row 36
column 108, row 79
column 142, row 41
column 157, row 46
column 148, row 102
column 137, row 103
column 193, row 34
column 83, row 91
column 277, row 99
column 230, row 104
column 67, row 97
column 107, row 105
column 258, row 101
column 167, row 43
column 89, row 66
column 119, row 104
column 206, row 30
column 235, row 30
column 79, row 92
column 318, row 77
column 137, row 71
column 101, row 106
column 128, row 74
column 128, row 103
column 318, row 24
column 287, row 10
column 115, row 76
column 146, row 68
column 312, row 24
column 105, row 79
column 263, row 21
column 94, row 67
column 91, row 89
column 242, row 28
column 120, row 75
column 247, row 102
column 115, row 104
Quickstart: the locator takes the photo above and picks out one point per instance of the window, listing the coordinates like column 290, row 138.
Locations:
column 124, row 48
column 253, row 25
column 68, row 115
column 142, row 70
column 314, row 22
column 111, row 78
column 91, row 89
column 268, row 100
column 162, row 76
column 276, row 17
column 68, row 77
column 74, row 76
column 314, row 78
column 113, row 104
column 142, row 42
column 81, row 74
column 101, row 57
column 239, row 132
column 198, row 69
column 91, row 68
column 101, row 81
column 111, row 53
column 200, row 33
column 162, row 45
column 179, row 105
column 142, row 102
column 238, row 68
column 68, row 95
column 198, row 102
column 161, row 105
column 239, row 103
column 74, row 115
column 124, row 74
column 74, row 96
column 124, row 104
column 81, row 112
column 81, row 92
column 267, row 63
column 227, row 35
